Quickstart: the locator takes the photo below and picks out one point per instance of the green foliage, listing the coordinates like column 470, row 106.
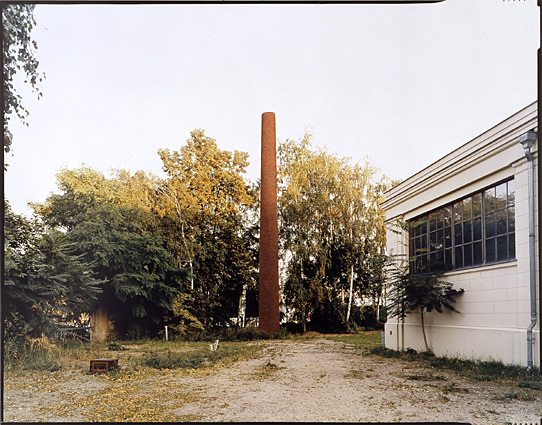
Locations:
column 46, row 282
column 181, row 320
column 19, row 55
column 331, row 226
column 425, row 293
column 113, row 227
column 210, row 210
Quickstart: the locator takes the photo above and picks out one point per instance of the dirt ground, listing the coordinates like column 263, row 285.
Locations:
column 313, row 380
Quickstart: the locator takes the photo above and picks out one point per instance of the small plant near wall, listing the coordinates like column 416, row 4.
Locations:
column 424, row 293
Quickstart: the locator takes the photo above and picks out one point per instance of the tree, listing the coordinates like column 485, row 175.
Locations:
column 210, row 208
column 112, row 223
column 331, row 226
column 19, row 54
column 410, row 292
column 46, row 282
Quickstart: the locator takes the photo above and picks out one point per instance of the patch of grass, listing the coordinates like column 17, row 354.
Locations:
column 40, row 354
column 482, row 370
column 364, row 340
column 199, row 357
column 475, row 369
column 533, row 385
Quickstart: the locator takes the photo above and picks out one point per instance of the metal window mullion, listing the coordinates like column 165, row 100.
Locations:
column 483, row 220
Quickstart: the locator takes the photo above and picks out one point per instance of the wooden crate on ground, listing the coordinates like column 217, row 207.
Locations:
column 103, row 365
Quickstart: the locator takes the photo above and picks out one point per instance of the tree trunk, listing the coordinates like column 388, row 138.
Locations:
column 350, row 294
column 403, row 333
column 423, row 331
column 303, row 319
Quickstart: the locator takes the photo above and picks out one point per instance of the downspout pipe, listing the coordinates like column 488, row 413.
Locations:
column 527, row 140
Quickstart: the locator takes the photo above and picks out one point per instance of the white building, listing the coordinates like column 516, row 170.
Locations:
column 474, row 208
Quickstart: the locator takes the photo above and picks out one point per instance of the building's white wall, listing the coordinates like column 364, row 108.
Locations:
column 495, row 308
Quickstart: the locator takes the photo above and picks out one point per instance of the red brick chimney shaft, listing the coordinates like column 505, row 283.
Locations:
column 269, row 240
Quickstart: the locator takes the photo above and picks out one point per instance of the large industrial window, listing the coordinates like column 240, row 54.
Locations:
column 476, row 230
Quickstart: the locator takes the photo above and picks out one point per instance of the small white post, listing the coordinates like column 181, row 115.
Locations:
column 166, row 333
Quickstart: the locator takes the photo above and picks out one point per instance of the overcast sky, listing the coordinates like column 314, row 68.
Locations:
column 400, row 84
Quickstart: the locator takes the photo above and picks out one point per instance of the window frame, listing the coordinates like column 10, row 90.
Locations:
column 473, row 231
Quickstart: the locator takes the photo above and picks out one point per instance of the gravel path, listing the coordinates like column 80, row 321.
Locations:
column 314, row 380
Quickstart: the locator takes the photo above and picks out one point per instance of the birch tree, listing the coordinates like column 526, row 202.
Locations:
column 331, row 222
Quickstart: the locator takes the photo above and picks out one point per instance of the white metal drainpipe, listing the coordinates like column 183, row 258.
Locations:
column 527, row 139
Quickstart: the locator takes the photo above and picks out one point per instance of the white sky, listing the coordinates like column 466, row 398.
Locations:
column 400, row 84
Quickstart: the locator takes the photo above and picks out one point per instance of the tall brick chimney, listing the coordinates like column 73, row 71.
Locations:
column 269, row 241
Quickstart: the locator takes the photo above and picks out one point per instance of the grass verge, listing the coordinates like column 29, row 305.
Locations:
column 475, row 369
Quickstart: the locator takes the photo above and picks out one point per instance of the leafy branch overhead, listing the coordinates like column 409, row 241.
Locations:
column 19, row 56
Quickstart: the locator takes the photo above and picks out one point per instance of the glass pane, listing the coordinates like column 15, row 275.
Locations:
column 458, row 257
column 423, row 263
column 490, row 226
column 501, row 222
column 502, row 248
column 423, row 240
column 438, row 263
column 458, row 234
column 418, row 264
column 511, row 219
column 448, row 258
column 466, row 208
column 423, row 226
column 467, row 232
column 440, row 239
column 477, row 251
column 458, row 210
column 489, row 200
column 511, row 192
column 447, row 216
column 477, row 205
column 417, row 246
column 433, row 217
column 448, row 237
column 467, row 255
column 440, row 217
column 501, row 196
column 490, row 251
column 477, row 229
column 511, row 247
column 432, row 241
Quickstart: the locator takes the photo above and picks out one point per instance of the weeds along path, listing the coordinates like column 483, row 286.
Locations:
column 303, row 380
